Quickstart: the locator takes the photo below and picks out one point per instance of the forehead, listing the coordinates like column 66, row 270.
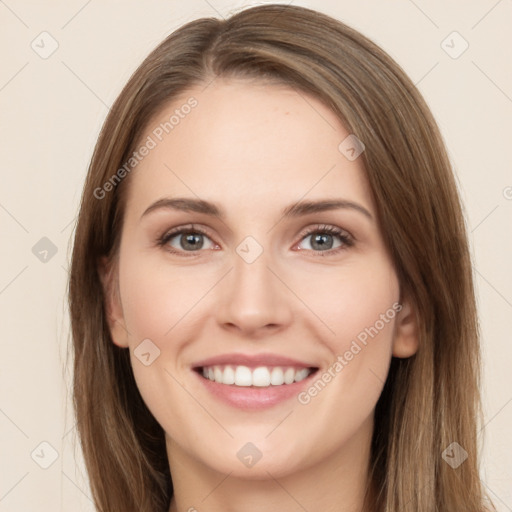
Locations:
column 247, row 144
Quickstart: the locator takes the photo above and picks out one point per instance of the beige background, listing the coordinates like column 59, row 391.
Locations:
column 51, row 111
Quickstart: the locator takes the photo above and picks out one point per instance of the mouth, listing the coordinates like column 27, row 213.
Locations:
column 261, row 376
column 254, row 382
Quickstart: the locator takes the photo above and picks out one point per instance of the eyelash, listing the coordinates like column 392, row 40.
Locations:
column 346, row 239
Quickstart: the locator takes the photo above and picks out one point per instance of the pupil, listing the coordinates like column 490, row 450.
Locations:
column 191, row 241
column 321, row 243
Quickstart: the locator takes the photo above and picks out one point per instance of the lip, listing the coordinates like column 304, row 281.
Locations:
column 253, row 398
column 253, row 361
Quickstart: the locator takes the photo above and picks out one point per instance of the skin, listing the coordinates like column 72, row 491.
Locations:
column 254, row 149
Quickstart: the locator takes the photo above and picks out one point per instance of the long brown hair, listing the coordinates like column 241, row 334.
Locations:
column 430, row 400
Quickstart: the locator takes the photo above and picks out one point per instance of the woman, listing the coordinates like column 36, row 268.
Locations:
column 271, row 295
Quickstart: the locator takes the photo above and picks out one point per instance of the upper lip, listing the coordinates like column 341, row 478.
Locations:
column 252, row 361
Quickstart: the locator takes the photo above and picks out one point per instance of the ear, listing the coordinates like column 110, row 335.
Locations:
column 107, row 271
column 406, row 340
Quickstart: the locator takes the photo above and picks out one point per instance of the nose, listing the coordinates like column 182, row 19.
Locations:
column 253, row 300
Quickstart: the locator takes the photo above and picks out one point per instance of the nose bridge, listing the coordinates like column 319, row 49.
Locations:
column 252, row 280
column 252, row 295
column 251, row 276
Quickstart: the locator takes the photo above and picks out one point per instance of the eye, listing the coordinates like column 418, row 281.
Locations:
column 320, row 239
column 186, row 239
column 326, row 239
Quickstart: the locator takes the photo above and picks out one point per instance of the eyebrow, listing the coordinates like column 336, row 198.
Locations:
column 294, row 210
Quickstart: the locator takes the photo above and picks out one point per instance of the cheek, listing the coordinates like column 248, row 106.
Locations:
column 359, row 306
column 157, row 298
column 355, row 299
column 160, row 304
column 167, row 399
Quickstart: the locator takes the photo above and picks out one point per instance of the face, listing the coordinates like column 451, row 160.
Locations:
column 255, row 294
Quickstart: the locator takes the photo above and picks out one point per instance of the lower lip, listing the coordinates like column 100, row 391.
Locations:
column 253, row 397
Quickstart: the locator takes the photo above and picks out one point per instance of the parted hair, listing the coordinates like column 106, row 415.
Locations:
column 429, row 400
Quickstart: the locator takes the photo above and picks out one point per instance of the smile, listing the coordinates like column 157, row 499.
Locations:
column 262, row 376
column 253, row 381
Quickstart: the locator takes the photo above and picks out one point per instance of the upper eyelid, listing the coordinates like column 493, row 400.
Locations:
column 324, row 227
column 192, row 228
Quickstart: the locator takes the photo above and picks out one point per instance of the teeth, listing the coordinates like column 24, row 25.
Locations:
column 301, row 374
column 243, row 376
column 260, row 377
column 277, row 377
column 228, row 377
column 289, row 375
column 217, row 373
